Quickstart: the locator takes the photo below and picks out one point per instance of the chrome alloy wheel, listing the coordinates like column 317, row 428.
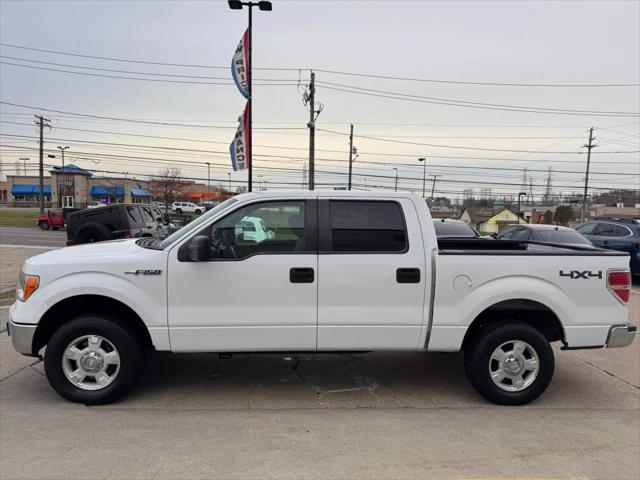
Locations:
column 91, row 362
column 514, row 366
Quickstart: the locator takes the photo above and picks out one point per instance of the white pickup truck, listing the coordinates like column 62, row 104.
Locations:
column 341, row 271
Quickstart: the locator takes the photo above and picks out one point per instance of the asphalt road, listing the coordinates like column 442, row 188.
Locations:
column 32, row 237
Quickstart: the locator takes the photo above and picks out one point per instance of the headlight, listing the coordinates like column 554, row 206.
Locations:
column 27, row 284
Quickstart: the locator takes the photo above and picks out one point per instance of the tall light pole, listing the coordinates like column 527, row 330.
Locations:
column 265, row 6
column 433, row 188
column 229, row 173
column 396, row 186
column 208, row 180
column 424, row 175
column 520, row 195
column 64, row 178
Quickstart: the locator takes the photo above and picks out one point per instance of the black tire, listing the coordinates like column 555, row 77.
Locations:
column 92, row 232
column 129, row 348
column 179, row 211
column 44, row 225
column 55, row 228
column 477, row 358
column 198, row 212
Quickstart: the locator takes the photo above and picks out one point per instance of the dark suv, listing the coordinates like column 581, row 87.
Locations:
column 111, row 222
column 615, row 234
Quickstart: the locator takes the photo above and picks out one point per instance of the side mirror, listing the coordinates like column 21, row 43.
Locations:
column 494, row 235
column 199, row 249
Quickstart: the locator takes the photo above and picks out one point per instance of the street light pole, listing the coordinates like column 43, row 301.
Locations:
column 263, row 5
column 424, row 175
column 229, row 173
column 64, row 179
column 396, row 186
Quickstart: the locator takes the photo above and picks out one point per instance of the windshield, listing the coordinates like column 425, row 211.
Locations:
column 561, row 236
column 196, row 223
column 454, row 229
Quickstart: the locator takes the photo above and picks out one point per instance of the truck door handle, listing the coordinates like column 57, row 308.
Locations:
column 408, row 275
column 301, row 275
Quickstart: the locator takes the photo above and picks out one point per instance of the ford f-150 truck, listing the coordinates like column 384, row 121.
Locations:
column 341, row 272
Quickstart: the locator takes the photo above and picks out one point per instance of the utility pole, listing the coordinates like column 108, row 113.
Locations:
column 64, row 180
column 24, row 162
column 208, row 180
column 424, row 175
column 42, row 122
column 312, row 131
column 433, row 188
column 589, row 146
column 350, row 156
column 396, row 186
column 229, row 173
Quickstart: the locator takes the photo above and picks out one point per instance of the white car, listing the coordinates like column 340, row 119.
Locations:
column 187, row 207
column 341, row 271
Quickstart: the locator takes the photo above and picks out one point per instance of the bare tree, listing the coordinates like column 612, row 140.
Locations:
column 167, row 185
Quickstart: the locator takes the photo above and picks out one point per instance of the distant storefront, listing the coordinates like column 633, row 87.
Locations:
column 73, row 186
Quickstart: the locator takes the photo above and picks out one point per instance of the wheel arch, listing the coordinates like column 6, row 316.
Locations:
column 527, row 311
column 68, row 308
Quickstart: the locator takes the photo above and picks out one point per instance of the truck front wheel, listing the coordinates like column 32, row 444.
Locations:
column 93, row 359
column 44, row 225
column 511, row 364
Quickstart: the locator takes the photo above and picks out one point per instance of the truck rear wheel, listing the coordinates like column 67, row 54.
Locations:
column 511, row 364
column 93, row 360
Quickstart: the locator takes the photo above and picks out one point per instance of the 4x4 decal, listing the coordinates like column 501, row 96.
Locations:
column 586, row 274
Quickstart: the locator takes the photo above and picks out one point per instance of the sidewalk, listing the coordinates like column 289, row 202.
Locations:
column 11, row 259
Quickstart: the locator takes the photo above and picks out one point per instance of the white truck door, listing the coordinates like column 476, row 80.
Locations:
column 372, row 274
column 253, row 294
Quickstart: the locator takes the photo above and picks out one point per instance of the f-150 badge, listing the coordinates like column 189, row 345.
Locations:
column 586, row 274
column 143, row 272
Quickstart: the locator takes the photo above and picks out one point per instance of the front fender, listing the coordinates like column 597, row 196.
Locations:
column 148, row 302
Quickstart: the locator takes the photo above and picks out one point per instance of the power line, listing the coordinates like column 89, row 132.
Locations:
column 466, row 102
column 120, row 77
column 146, row 122
column 131, row 72
column 334, row 72
column 380, row 139
column 451, row 104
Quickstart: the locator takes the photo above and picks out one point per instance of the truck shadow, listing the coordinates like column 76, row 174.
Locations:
column 308, row 380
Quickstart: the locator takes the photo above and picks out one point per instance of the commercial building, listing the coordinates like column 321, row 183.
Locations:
column 73, row 186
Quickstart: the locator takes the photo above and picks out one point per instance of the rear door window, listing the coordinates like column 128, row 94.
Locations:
column 611, row 230
column 367, row 226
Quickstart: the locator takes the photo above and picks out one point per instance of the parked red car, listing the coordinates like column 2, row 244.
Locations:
column 55, row 218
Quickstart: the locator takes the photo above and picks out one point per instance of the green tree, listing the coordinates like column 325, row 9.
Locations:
column 564, row 214
column 548, row 217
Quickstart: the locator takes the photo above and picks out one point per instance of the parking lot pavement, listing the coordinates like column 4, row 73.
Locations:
column 378, row 415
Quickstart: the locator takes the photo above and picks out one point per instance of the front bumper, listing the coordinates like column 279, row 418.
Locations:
column 22, row 337
column 621, row 335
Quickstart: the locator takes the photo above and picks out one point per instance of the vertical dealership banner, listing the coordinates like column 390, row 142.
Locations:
column 240, row 68
column 240, row 148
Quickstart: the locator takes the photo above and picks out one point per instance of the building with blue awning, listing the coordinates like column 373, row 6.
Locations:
column 73, row 186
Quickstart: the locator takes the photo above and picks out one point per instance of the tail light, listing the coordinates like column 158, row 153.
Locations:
column 127, row 234
column 70, row 243
column 619, row 284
